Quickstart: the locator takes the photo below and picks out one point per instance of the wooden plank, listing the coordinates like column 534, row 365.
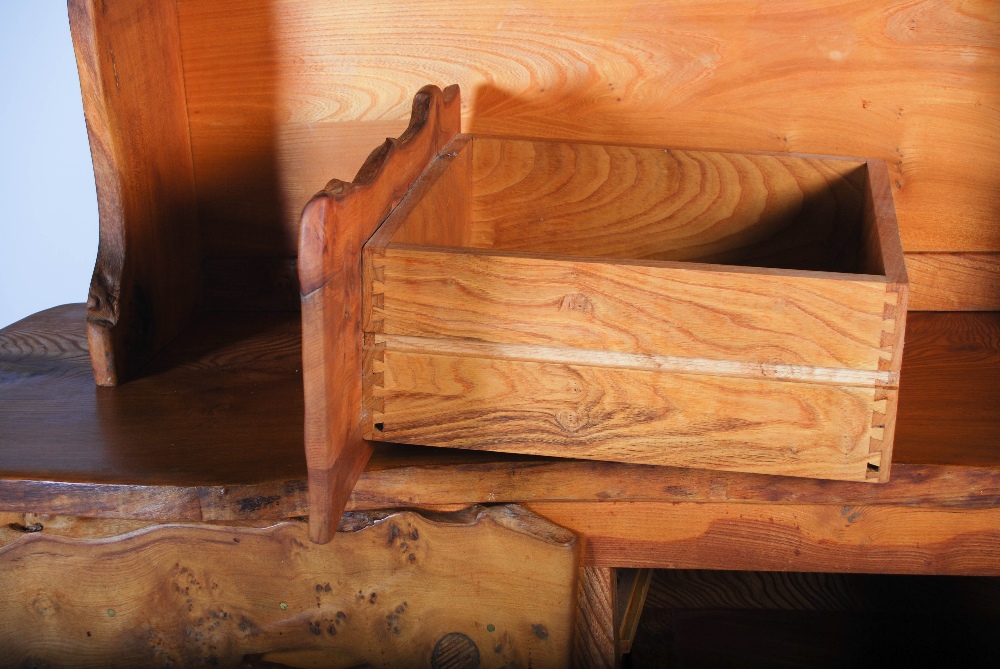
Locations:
column 335, row 225
column 627, row 415
column 955, row 281
column 731, row 76
column 395, row 589
column 221, row 405
column 797, row 537
column 587, row 304
column 145, row 286
column 656, row 204
column 438, row 209
column 596, row 639
column 633, row 585
column 949, row 401
column 433, row 477
column 649, row 203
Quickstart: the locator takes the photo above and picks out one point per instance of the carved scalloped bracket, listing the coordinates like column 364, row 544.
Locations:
column 336, row 223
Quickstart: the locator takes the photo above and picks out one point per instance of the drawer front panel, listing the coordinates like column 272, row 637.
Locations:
column 756, row 316
column 628, row 415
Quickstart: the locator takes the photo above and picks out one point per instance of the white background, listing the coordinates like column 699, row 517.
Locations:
column 48, row 201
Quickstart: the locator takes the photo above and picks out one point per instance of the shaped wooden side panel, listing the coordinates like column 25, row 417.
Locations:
column 336, row 223
column 145, row 284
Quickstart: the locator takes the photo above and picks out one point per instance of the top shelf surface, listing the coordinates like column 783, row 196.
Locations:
column 222, row 406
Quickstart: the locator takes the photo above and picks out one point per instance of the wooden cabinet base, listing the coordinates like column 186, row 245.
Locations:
column 495, row 585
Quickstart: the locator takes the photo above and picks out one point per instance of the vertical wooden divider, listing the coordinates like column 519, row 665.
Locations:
column 595, row 644
column 145, row 286
column 336, row 223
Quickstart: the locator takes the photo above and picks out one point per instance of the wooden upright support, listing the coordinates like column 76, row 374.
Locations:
column 335, row 225
column 145, row 286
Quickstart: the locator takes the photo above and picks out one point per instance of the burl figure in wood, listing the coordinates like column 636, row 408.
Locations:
column 335, row 225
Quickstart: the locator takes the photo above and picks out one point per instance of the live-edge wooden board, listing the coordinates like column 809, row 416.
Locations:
column 146, row 283
column 487, row 587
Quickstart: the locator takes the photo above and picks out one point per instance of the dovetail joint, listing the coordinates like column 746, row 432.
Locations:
column 373, row 384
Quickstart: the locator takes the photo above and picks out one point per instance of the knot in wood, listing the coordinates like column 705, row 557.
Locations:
column 569, row 420
column 577, row 302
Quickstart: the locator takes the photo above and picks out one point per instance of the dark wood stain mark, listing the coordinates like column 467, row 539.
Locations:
column 34, row 527
column 455, row 651
column 252, row 504
column 540, row 631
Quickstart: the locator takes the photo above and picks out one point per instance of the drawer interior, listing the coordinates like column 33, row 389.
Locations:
column 644, row 204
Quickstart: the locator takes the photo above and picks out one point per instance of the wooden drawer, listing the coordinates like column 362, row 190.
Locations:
column 734, row 311
column 707, row 309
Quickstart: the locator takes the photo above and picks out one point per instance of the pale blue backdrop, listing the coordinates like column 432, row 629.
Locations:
column 48, row 204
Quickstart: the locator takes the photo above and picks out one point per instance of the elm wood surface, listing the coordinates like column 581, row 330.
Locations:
column 307, row 88
column 221, row 405
column 336, row 222
column 954, row 281
column 632, row 586
column 145, row 286
column 569, row 301
column 658, row 204
column 395, row 589
column 951, row 390
column 595, row 643
column 879, row 539
column 60, row 454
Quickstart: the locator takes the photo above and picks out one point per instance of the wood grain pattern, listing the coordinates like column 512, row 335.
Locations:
column 736, row 75
column 883, row 253
column 438, row 209
column 569, row 319
column 58, row 454
column 395, row 589
column 221, row 405
column 145, row 286
column 632, row 588
column 596, row 639
column 795, row 537
column 955, row 281
column 593, row 305
column 628, row 415
column 659, row 204
column 960, row 380
column 335, row 225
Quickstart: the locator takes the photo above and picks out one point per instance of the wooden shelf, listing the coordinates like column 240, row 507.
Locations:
column 222, row 404
column 213, row 431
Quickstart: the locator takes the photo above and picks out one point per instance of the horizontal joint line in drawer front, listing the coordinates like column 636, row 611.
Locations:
column 656, row 363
